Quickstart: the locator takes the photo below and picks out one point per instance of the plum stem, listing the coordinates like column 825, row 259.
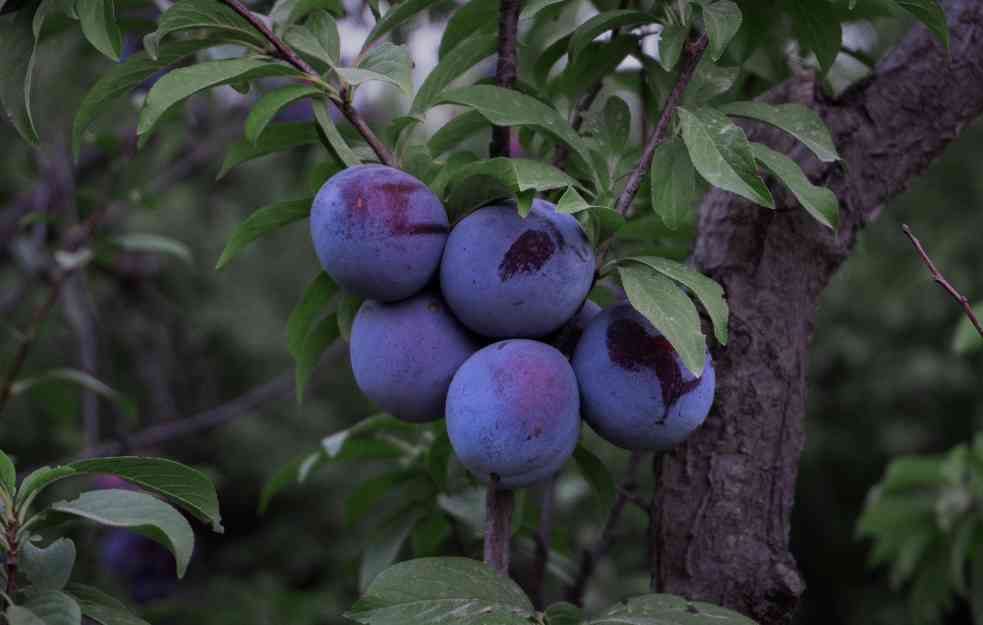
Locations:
column 693, row 54
column 590, row 557
column 498, row 526
column 286, row 53
column 941, row 281
column 507, row 68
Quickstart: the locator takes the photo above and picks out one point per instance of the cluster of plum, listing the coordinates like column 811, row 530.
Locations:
column 463, row 323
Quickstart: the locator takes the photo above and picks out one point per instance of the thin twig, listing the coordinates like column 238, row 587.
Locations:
column 590, row 557
column 498, row 526
column 577, row 121
column 694, row 52
column 507, row 69
column 537, row 583
column 654, row 547
column 941, row 281
column 343, row 103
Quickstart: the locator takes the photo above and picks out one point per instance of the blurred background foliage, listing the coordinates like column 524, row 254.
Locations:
column 180, row 338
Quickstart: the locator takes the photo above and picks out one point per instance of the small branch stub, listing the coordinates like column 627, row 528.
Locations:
column 498, row 526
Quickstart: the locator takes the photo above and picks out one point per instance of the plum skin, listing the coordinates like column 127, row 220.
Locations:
column 378, row 232
column 628, row 372
column 404, row 354
column 513, row 410
column 509, row 277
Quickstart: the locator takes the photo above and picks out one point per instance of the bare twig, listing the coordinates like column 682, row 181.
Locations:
column 343, row 103
column 538, row 577
column 577, row 121
column 693, row 54
column 941, row 281
column 590, row 557
column 498, row 526
column 507, row 69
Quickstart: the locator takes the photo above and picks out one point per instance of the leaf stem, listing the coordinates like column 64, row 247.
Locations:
column 691, row 59
column 498, row 526
column 342, row 102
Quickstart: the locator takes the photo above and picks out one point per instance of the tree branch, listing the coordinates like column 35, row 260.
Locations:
column 343, row 103
column 507, row 69
column 590, row 557
column 941, row 281
column 694, row 52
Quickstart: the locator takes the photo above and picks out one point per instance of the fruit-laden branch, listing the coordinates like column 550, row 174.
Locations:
column 507, row 68
column 343, row 102
column 941, row 281
column 693, row 54
column 725, row 498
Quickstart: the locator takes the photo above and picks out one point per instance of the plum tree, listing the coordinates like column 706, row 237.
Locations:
column 635, row 391
column 505, row 276
column 513, row 410
column 404, row 354
column 378, row 232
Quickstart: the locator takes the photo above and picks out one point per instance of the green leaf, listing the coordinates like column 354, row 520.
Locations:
column 976, row 589
column 385, row 62
column 312, row 307
column 102, row 608
column 54, row 607
column 668, row 610
column 671, row 41
column 709, row 81
column 475, row 18
column 601, row 482
column 616, row 124
column 38, row 480
column 262, row 222
column 465, row 56
column 187, row 487
column 270, row 104
column 121, row 79
column 140, row 512
column 596, row 62
column 722, row 20
column 430, row 533
column 48, row 568
column 319, row 38
column 819, row 202
column 398, row 14
column 317, row 340
column 722, row 154
column 602, row 22
column 98, row 21
column 930, row 13
column 286, row 12
column 505, row 107
column 368, row 493
column 17, row 615
column 564, row 613
column 348, row 306
column 384, row 546
column 276, row 138
column 966, row 338
column 333, row 137
column 710, row 294
column 672, row 313
column 799, row 121
column 152, row 244
column 517, row 174
column 437, row 590
column 8, row 474
column 83, row 379
column 818, row 29
column 184, row 82
column 455, row 131
column 17, row 49
column 674, row 186
column 215, row 17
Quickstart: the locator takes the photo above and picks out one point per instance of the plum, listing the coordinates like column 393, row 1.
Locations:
column 509, row 277
column 378, row 232
column 404, row 354
column 513, row 410
column 635, row 391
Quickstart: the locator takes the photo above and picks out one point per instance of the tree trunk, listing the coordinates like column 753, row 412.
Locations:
column 724, row 498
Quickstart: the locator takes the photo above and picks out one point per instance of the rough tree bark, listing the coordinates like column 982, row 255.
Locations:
column 725, row 497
